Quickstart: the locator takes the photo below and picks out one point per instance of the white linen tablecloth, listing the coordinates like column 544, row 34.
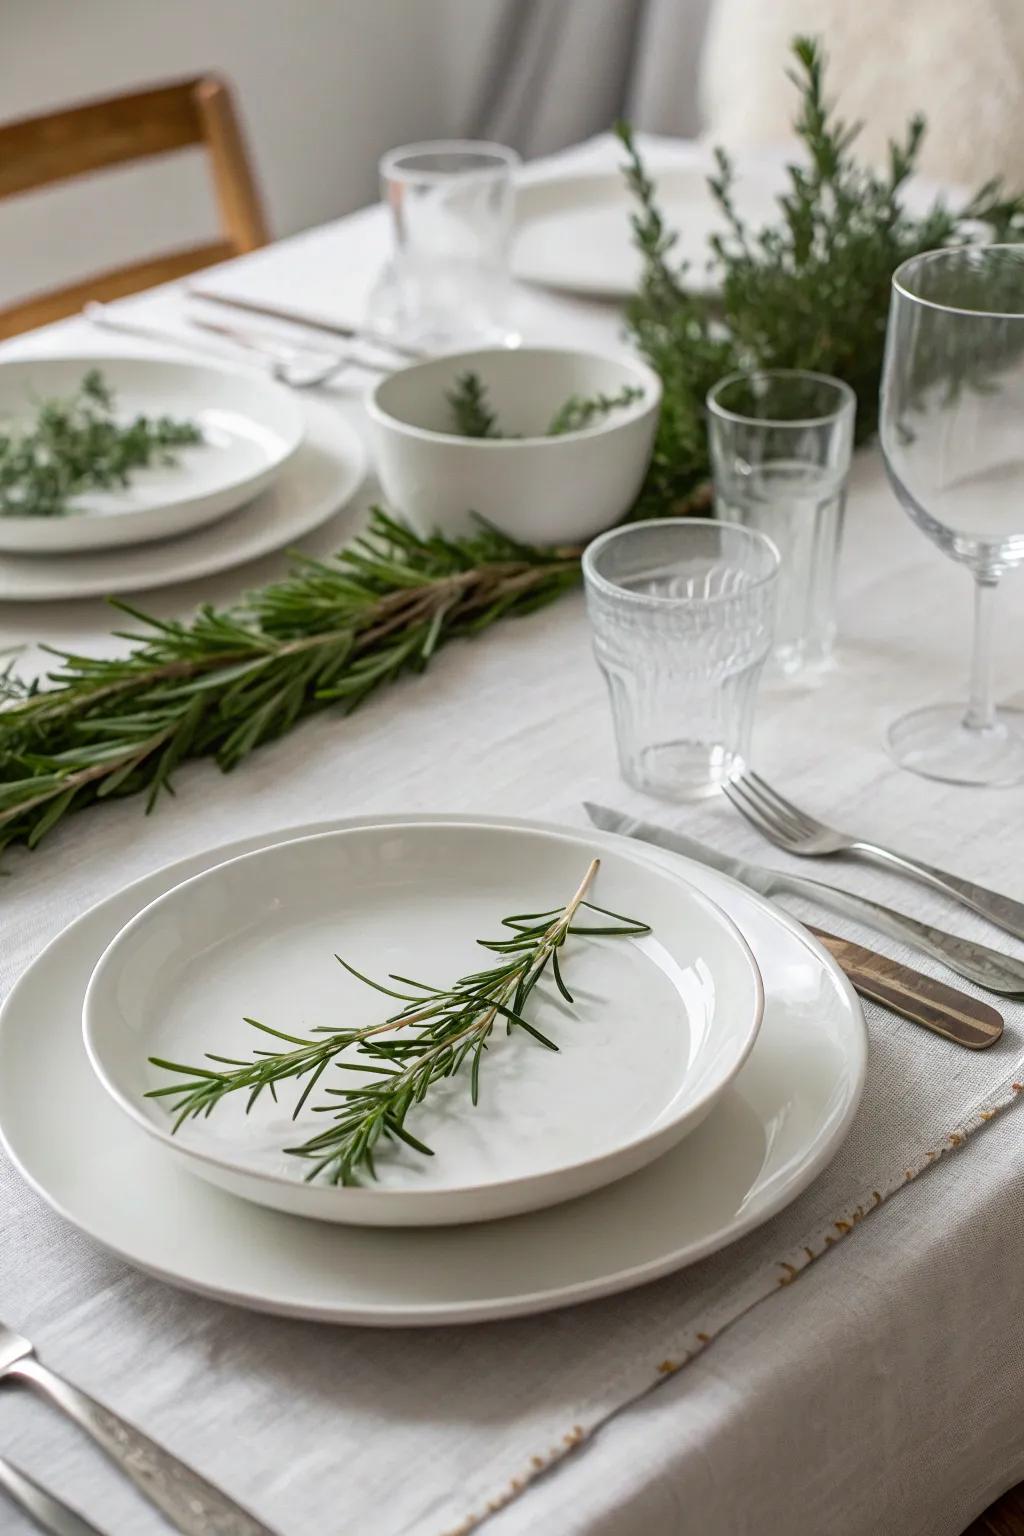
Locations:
column 881, row 1395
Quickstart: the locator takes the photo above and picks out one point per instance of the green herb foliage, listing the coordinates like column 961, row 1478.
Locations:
column 472, row 415
column 437, row 1033
column 229, row 680
column 77, row 445
column 810, row 291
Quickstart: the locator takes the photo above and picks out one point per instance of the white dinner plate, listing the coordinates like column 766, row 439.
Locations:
column 660, row 1025
column 251, row 427
column 323, row 475
column 574, row 233
column 773, row 1131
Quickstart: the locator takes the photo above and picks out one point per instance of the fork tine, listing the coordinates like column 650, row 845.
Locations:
column 802, row 822
column 740, row 796
column 787, row 823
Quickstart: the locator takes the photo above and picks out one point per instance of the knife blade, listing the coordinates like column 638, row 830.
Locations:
column 987, row 967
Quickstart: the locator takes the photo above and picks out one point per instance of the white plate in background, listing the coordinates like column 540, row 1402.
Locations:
column 251, row 427
column 324, row 474
column 661, row 1022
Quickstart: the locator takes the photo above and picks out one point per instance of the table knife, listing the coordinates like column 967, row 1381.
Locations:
column 328, row 327
column 48, row 1512
column 935, row 1005
column 987, row 967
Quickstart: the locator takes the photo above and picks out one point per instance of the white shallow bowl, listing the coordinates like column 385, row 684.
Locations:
column 543, row 490
column 251, row 428
column 661, row 1025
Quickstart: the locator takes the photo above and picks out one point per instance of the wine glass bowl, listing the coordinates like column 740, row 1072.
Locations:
column 952, row 432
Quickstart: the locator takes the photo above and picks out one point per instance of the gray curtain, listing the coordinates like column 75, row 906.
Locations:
column 557, row 71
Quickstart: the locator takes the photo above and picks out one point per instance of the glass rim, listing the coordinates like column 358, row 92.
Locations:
column 652, row 600
column 847, row 398
column 506, row 158
column 943, row 253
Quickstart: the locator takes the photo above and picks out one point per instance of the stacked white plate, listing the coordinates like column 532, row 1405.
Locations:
column 271, row 466
column 706, row 1073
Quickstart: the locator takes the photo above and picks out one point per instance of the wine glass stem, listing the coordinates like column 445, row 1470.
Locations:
column 981, row 710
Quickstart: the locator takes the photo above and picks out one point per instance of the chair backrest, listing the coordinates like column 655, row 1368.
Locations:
column 38, row 151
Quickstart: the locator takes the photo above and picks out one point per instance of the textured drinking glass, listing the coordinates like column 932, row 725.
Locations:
column 452, row 203
column 780, row 452
column 681, row 610
column 952, row 429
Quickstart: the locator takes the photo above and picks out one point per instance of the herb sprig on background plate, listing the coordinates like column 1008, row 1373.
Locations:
column 432, row 1037
column 77, row 445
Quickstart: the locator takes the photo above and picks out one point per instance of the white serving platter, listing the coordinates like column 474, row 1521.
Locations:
column 660, row 1023
column 251, row 427
column 774, row 1131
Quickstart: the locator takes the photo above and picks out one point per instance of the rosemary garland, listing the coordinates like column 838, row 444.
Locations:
column 226, row 681
column 431, row 1038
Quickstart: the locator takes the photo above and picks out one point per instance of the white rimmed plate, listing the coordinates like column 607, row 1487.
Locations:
column 324, row 474
column 251, row 427
column 774, row 1130
column 660, row 1025
column 574, row 233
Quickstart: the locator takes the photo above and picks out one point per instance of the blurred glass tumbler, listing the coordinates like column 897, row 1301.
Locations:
column 452, row 204
column 780, row 453
column 681, row 611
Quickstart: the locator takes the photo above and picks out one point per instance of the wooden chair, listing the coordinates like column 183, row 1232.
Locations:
column 38, row 151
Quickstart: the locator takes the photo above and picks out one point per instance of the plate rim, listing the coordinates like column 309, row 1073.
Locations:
column 496, row 1188
column 523, row 1304
column 351, row 461
column 237, row 491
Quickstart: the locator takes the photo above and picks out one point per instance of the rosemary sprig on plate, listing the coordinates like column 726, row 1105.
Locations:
column 436, row 1033
column 77, row 444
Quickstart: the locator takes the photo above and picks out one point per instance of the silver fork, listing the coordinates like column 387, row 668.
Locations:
column 49, row 1513
column 191, row 1504
column 783, row 824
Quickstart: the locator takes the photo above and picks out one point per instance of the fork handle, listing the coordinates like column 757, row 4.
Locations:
column 191, row 1504
column 1001, row 910
column 990, row 969
column 49, row 1513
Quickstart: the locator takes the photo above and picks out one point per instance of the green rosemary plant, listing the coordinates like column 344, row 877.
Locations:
column 222, row 683
column 433, row 1036
column 809, row 291
column 77, row 445
column 472, row 415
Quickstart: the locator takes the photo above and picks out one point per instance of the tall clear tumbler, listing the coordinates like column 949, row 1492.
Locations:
column 452, row 206
column 681, row 611
column 780, row 445
column 952, row 430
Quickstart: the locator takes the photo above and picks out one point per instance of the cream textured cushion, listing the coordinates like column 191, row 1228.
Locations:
column 960, row 62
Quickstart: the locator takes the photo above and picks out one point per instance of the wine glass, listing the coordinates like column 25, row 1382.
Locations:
column 952, row 430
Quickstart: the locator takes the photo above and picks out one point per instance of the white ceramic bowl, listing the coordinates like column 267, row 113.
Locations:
column 543, row 490
column 660, row 1026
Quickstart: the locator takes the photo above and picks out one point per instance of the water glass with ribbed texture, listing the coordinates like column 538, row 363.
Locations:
column 682, row 612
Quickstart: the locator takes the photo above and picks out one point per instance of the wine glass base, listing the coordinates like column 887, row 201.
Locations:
column 935, row 742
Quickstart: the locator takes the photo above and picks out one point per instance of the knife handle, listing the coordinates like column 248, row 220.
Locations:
column 933, row 1004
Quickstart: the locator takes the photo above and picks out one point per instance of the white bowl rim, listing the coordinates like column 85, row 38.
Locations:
column 450, row 1193
column 621, row 418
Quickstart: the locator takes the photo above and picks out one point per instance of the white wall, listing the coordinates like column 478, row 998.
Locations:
column 324, row 87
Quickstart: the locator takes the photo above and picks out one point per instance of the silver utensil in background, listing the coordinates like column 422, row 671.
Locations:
column 281, row 361
column 191, row 1504
column 48, row 1512
column 987, row 967
column 793, row 830
column 329, row 328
